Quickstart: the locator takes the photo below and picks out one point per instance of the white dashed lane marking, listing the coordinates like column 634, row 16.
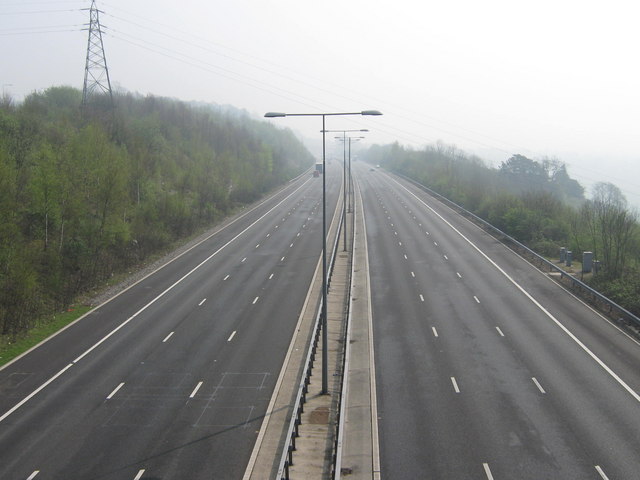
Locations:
column 167, row 337
column 455, row 385
column 195, row 390
column 115, row 391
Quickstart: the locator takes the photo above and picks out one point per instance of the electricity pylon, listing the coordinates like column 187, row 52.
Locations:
column 96, row 73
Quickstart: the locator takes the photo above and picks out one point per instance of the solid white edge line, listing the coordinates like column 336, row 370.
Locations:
column 344, row 396
column 586, row 349
column 375, row 436
column 35, row 392
column 601, row 472
column 274, row 396
column 535, row 380
column 115, row 390
column 455, row 384
column 181, row 279
column 167, row 337
column 487, row 471
column 222, row 227
column 195, row 390
column 139, row 475
column 33, row 475
column 107, row 336
column 233, row 334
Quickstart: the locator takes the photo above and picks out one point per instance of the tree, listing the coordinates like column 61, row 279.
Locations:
column 611, row 226
column 84, row 197
column 523, row 173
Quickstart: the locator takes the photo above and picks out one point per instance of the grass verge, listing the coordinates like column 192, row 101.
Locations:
column 11, row 349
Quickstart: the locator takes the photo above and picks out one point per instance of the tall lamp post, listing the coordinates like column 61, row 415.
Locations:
column 344, row 178
column 325, row 380
column 356, row 139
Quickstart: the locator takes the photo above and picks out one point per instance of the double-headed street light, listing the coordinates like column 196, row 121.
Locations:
column 350, row 202
column 344, row 178
column 325, row 380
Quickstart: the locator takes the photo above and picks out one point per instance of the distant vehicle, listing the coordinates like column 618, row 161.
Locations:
column 319, row 167
column 372, row 169
column 316, row 173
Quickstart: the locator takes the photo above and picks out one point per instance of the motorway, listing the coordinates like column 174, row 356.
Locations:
column 171, row 378
column 485, row 368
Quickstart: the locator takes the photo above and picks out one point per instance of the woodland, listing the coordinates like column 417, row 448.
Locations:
column 88, row 192
column 537, row 203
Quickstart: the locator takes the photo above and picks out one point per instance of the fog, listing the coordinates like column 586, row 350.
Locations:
column 548, row 78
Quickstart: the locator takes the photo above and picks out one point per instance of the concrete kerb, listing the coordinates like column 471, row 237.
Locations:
column 263, row 463
column 360, row 454
column 313, row 458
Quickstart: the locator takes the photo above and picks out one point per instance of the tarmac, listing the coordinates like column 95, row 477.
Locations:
column 314, row 454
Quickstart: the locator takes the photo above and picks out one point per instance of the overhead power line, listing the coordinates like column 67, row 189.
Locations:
column 38, row 12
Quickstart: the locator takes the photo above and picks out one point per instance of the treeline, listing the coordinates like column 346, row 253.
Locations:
column 536, row 202
column 87, row 193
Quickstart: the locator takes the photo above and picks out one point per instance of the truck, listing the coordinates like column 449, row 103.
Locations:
column 318, row 168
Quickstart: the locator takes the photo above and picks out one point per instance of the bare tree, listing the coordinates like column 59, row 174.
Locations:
column 611, row 225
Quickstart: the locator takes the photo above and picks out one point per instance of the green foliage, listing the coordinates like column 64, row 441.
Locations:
column 624, row 290
column 9, row 348
column 84, row 195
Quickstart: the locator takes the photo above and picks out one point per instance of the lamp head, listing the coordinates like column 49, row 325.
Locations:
column 275, row 114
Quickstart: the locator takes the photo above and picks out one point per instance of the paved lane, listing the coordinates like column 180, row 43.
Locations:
column 485, row 368
column 171, row 378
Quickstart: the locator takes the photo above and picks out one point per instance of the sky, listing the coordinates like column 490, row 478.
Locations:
column 558, row 79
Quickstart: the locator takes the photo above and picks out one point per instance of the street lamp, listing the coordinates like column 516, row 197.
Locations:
column 357, row 139
column 325, row 380
column 344, row 177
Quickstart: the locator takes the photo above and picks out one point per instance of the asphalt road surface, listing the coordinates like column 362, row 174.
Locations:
column 171, row 379
column 485, row 368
